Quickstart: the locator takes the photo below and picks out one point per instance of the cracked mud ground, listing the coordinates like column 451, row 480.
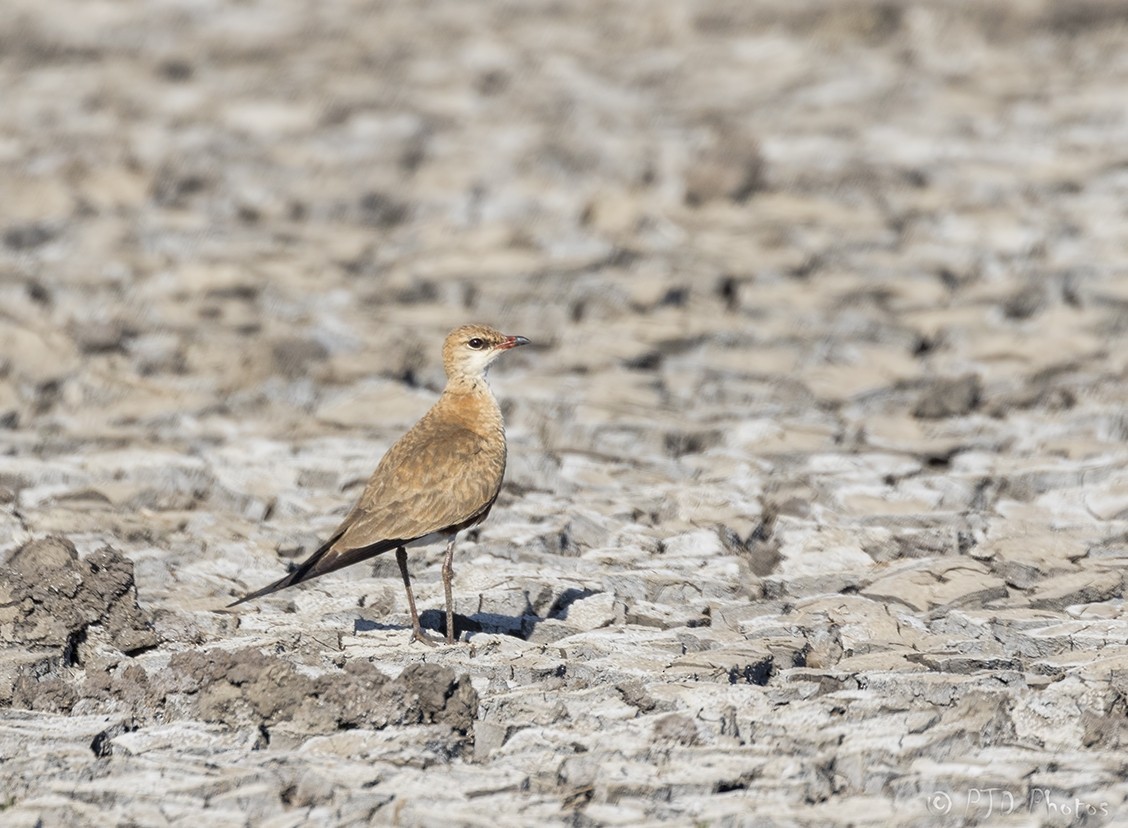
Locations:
column 817, row 507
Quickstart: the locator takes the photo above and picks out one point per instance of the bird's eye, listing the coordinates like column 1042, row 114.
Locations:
column 476, row 343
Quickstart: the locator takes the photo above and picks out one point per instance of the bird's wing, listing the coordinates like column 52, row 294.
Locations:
column 436, row 477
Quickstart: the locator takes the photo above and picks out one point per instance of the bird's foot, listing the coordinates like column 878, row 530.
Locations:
column 417, row 634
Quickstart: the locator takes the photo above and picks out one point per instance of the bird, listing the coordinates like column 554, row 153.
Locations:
column 439, row 478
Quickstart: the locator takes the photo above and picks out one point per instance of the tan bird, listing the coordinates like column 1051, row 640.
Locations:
column 440, row 477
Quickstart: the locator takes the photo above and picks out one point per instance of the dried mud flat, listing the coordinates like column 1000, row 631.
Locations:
column 817, row 507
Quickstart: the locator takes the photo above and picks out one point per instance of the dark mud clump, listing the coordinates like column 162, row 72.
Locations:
column 53, row 605
column 50, row 599
column 51, row 602
column 248, row 687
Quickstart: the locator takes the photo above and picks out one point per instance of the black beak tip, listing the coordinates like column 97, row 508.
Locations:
column 520, row 340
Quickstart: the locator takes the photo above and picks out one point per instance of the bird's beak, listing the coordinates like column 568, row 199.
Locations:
column 512, row 342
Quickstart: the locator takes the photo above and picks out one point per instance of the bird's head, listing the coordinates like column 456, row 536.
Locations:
column 469, row 350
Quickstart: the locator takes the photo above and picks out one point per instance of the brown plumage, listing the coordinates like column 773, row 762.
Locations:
column 440, row 477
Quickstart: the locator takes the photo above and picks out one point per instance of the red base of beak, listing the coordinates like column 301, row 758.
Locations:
column 513, row 342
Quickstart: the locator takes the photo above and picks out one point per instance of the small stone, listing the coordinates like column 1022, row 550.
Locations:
column 676, row 728
column 1086, row 587
column 599, row 610
column 943, row 583
column 949, row 398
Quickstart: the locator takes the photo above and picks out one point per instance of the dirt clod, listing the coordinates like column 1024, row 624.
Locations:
column 53, row 598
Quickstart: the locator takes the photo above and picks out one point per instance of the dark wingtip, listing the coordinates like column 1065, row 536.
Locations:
column 302, row 572
column 281, row 583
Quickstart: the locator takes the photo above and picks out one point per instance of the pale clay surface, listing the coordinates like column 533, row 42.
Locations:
column 817, row 501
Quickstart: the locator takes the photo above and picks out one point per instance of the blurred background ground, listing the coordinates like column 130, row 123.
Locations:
column 817, row 504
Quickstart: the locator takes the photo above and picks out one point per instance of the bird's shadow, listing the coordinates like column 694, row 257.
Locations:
column 519, row 626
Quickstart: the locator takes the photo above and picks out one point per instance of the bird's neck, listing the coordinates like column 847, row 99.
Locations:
column 470, row 401
column 462, row 384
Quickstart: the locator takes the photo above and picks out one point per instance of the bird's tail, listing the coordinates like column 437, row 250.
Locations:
column 291, row 579
column 325, row 559
column 304, row 571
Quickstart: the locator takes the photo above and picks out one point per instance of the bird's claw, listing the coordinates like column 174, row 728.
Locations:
column 418, row 635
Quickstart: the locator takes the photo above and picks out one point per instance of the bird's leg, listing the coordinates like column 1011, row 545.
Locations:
column 416, row 630
column 448, row 575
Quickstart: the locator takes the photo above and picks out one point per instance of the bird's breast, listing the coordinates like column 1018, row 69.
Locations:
column 477, row 411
